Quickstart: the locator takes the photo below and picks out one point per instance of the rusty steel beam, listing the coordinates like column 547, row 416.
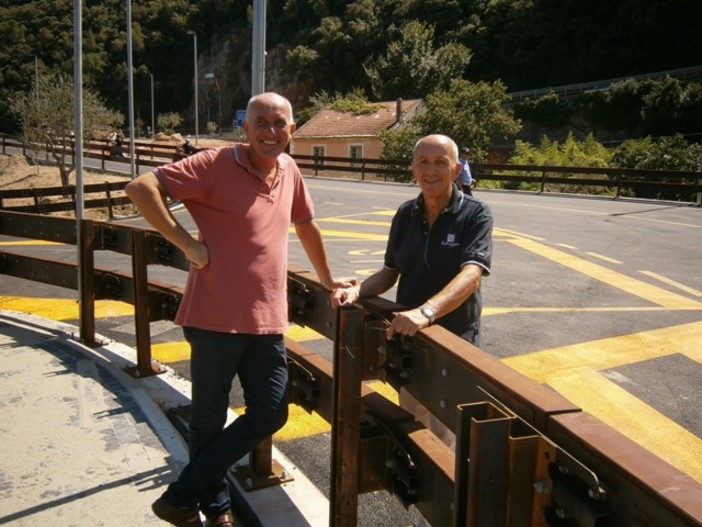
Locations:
column 45, row 270
column 443, row 371
column 308, row 303
column 86, row 300
column 37, row 227
column 642, row 489
column 346, row 418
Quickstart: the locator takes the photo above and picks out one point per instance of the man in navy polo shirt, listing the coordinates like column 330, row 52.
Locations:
column 440, row 247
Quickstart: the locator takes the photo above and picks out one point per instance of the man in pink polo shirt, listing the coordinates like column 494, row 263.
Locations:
column 234, row 309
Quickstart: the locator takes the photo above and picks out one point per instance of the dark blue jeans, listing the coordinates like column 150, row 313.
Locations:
column 216, row 358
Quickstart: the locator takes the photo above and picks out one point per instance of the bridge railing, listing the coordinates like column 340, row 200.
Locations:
column 525, row 456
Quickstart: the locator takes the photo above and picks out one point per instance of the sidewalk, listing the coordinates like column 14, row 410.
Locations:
column 86, row 444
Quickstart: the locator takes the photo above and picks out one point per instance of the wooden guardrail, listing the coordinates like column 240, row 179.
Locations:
column 525, row 456
column 613, row 182
column 616, row 183
column 56, row 199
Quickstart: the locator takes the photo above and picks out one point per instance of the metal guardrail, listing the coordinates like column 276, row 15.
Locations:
column 525, row 456
column 570, row 90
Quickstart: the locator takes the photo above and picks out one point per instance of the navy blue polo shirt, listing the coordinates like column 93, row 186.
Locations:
column 428, row 259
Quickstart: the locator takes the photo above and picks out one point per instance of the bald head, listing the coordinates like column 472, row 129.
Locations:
column 270, row 100
column 438, row 140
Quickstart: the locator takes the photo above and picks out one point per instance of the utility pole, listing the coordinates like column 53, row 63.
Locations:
column 258, row 59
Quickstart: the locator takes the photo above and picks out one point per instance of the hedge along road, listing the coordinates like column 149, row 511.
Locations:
column 599, row 299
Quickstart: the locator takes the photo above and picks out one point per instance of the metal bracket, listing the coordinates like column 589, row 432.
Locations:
column 250, row 480
column 399, row 360
column 405, row 477
column 577, row 493
column 299, row 299
column 305, row 387
column 164, row 252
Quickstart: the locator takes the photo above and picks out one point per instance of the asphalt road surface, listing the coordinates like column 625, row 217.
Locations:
column 599, row 299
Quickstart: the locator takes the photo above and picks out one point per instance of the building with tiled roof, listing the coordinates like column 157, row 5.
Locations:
column 342, row 134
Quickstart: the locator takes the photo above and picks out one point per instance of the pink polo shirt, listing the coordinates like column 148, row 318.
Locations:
column 244, row 287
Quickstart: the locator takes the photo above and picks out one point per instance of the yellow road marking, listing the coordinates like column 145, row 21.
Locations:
column 648, row 292
column 347, row 235
column 386, row 390
column 639, row 422
column 303, row 334
column 668, row 281
column 506, row 232
column 168, row 352
column 610, row 352
column 300, row 424
column 487, row 311
column 62, row 308
column 31, row 242
column 355, row 222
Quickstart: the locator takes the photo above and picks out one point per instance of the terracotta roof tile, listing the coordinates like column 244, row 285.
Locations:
column 330, row 123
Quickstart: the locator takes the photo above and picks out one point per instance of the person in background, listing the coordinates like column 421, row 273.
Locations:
column 234, row 308
column 467, row 180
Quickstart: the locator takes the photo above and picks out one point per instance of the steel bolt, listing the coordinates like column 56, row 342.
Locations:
column 541, row 486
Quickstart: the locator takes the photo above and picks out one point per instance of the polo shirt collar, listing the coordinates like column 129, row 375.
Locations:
column 242, row 158
column 454, row 204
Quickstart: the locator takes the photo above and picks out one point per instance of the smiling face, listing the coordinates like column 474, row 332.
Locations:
column 435, row 166
column 268, row 126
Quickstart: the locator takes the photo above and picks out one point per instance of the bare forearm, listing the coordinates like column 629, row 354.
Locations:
column 457, row 291
column 311, row 239
column 377, row 283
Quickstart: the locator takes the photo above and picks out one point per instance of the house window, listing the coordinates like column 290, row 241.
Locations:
column 318, row 153
column 355, row 152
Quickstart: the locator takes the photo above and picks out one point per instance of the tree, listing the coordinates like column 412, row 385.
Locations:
column 47, row 119
column 473, row 114
column 664, row 153
column 398, row 145
column 168, row 122
column 411, row 67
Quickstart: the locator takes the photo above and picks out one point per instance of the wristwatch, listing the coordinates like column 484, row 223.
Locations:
column 428, row 312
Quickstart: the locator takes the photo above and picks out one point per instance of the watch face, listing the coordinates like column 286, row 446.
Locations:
column 427, row 312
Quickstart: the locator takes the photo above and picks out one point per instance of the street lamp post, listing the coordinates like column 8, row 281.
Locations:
column 153, row 129
column 130, row 90
column 197, row 115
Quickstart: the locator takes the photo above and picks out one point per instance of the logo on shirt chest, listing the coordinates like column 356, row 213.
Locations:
column 450, row 240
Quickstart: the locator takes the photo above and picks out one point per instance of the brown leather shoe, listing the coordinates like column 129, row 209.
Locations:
column 223, row 520
column 187, row 516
